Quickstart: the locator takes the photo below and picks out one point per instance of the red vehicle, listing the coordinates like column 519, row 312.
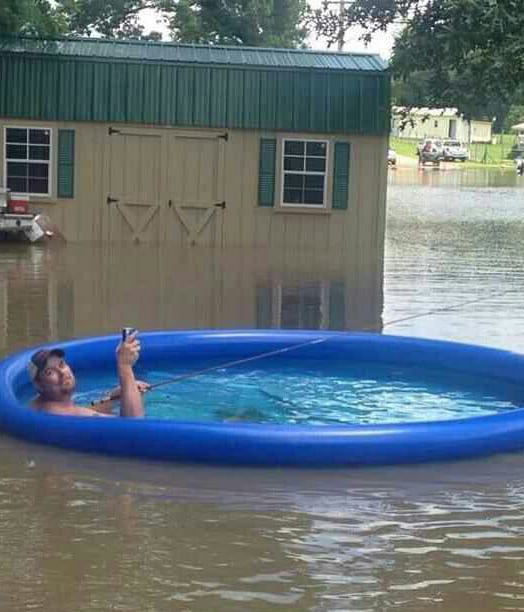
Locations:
column 430, row 151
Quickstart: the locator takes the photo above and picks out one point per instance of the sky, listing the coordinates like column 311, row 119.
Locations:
column 382, row 43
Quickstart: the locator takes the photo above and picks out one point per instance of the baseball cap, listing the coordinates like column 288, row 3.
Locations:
column 38, row 361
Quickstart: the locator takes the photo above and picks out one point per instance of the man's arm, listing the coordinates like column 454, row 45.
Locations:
column 58, row 409
column 130, row 397
column 105, row 406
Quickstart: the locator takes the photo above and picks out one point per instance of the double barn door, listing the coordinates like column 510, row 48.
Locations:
column 165, row 185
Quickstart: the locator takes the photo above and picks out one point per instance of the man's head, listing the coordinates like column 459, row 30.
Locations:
column 51, row 375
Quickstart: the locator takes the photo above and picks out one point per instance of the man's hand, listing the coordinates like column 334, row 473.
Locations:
column 142, row 386
column 127, row 352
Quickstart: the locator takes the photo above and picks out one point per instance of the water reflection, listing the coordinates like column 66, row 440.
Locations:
column 448, row 245
column 456, row 176
column 75, row 290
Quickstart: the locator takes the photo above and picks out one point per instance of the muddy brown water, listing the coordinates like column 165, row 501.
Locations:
column 87, row 533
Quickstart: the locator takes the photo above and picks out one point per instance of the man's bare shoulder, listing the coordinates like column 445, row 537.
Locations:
column 60, row 409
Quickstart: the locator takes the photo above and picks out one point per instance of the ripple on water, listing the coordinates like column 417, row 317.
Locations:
column 352, row 394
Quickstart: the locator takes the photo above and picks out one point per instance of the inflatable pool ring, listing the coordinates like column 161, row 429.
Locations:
column 252, row 444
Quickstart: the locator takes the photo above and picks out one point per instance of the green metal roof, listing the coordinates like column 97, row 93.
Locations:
column 173, row 53
column 189, row 85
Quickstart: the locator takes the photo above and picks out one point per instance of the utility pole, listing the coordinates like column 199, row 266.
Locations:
column 341, row 28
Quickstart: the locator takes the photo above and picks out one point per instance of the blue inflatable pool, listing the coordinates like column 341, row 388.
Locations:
column 253, row 444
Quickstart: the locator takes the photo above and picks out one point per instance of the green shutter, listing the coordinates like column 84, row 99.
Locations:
column 66, row 164
column 266, row 172
column 341, row 175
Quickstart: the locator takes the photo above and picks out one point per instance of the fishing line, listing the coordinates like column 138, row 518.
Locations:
column 295, row 347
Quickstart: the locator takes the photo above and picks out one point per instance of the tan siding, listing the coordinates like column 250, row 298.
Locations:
column 365, row 228
column 233, row 174
column 249, row 188
column 149, row 166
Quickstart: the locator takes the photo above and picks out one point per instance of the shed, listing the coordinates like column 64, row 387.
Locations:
column 219, row 146
column 439, row 123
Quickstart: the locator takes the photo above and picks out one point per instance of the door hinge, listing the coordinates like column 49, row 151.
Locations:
column 112, row 131
column 221, row 205
column 111, row 200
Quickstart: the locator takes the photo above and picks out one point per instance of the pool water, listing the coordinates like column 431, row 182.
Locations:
column 294, row 393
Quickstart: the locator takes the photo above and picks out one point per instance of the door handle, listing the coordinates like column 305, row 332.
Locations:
column 221, row 205
column 111, row 200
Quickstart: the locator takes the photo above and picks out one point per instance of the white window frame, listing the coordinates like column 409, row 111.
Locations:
column 283, row 173
column 49, row 162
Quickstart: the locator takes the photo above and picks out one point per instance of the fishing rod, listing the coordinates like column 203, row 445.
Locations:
column 287, row 349
column 222, row 366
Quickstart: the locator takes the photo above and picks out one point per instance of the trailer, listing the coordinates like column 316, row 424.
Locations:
column 16, row 222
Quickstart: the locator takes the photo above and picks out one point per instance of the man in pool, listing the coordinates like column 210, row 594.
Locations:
column 55, row 382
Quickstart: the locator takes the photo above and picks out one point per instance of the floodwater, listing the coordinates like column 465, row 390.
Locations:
column 89, row 533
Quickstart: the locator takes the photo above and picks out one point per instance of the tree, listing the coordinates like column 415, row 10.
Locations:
column 273, row 23
column 108, row 18
column 29, row 17
column 248, row 22
column 471, row 51
column 514, row 116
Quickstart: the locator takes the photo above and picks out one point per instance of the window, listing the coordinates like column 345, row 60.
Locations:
column 304, row 172
column 28, row 155
column 299, row 306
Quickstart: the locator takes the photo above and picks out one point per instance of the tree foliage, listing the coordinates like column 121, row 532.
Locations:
column 273, row 23
column 473, row 49
column 248, row 22
column 515, row 114
column 108, row 18
column 470, row 51
column 30, row 17
column 270, row 23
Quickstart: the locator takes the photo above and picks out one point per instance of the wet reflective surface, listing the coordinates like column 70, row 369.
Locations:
column 89, row 533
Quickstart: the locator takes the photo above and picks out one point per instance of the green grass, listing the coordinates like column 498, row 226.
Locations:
column 481, row 155
column 403, row 146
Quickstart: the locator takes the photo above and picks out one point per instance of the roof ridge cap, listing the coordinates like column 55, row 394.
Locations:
column 173, row 43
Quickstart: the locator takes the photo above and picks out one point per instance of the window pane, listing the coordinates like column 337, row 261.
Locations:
column 17, row 184
column 38, row 186
column 315, row 164
column 290, row 317
column 15, row 135
column 16, row 152
column 294, row 181
column 293, row 163
column 293, row 196
column 314, row 181
column 38, row 170
column 294, row 147
column 302, row 307
column 312, row 196
column 16, row 170
column 36, row 152
column 316, row 148
column 39, row 136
